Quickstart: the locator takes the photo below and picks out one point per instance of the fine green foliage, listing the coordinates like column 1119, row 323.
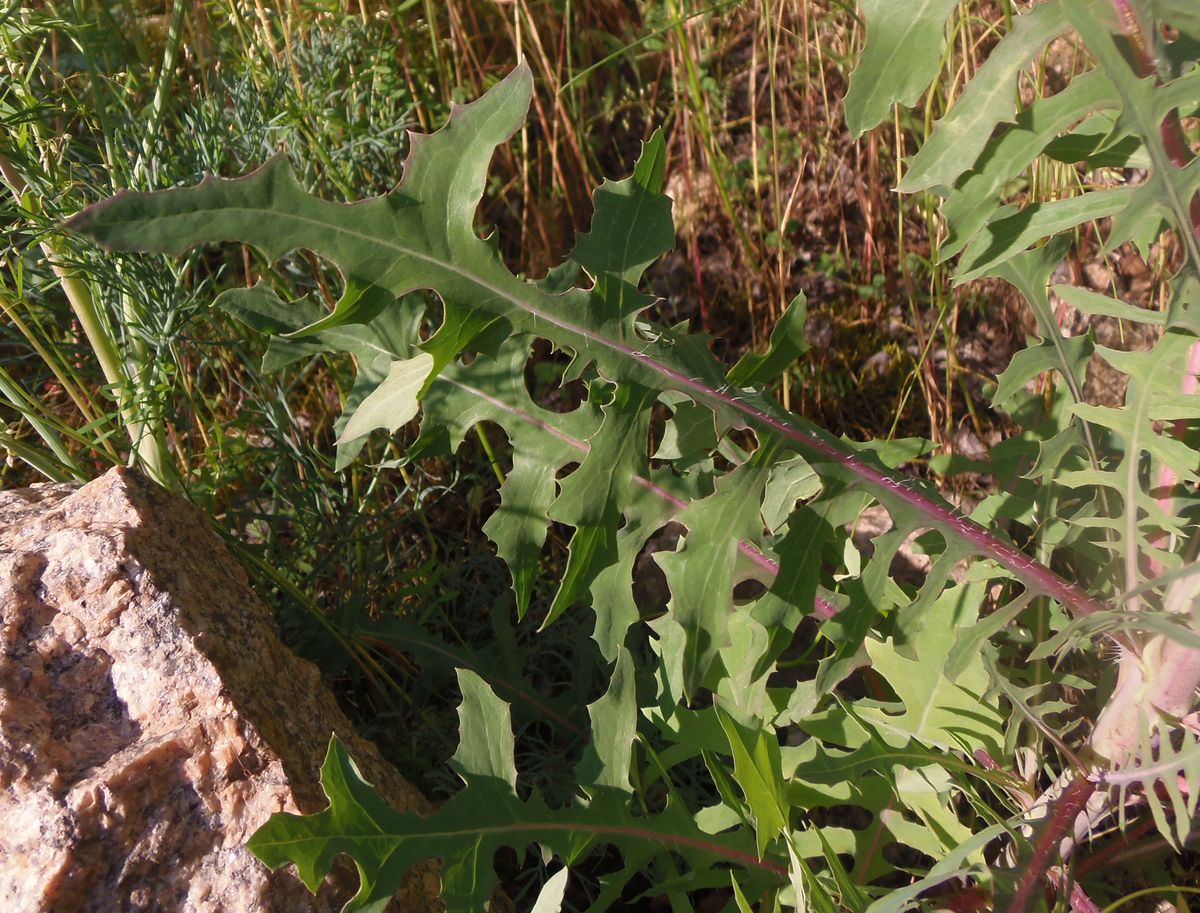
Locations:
column 705, row 689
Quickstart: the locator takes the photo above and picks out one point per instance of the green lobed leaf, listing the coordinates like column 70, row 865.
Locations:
column 901, row 57
column 592, row 498
column 978, row 195
column 422, row 236
column 758, row 771
column 701, row 574
column 492, row 388
column 938, row 712
column 1156, row 395
column 385, row 844
column 988, row 101
column 1167, row 193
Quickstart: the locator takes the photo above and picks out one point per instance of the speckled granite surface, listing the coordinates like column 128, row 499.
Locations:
column 150, row 718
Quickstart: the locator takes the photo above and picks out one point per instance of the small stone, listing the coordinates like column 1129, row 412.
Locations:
column 1098, row 276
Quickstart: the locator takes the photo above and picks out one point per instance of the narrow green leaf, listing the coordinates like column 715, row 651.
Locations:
column 738, row 897
column 989, row 100
column 1093, row 303
column 786, row 345
column 1009, row 235
column 853, row 898
column 759, row 773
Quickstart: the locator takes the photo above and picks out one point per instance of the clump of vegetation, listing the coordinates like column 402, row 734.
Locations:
column 774, row 716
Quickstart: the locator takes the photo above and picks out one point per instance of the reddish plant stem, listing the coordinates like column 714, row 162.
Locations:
column 1045, row 847
column 1080, row 902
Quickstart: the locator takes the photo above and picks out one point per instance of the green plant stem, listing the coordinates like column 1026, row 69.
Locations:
column 360, row 653
column 481, row 433
column 151, row 450
column 163, row 85
column 718, row 7
column 51, row 469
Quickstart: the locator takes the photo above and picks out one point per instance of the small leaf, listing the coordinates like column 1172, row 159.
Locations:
column 901, row 58
column 787, row 344
column 791, row 480
column 631, row 226
column 550, row 898
column 485, row 747
column 1030, row 273
column 688, row 435
column 394, row 402
column 738, row 897
column 593, row 496
column 606, row 759
column 759, row 772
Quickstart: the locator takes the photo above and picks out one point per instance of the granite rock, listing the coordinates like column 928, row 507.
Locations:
column 150, row 718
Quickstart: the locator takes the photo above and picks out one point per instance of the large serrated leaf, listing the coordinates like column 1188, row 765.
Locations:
column 385, row 843
column 422, row 236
